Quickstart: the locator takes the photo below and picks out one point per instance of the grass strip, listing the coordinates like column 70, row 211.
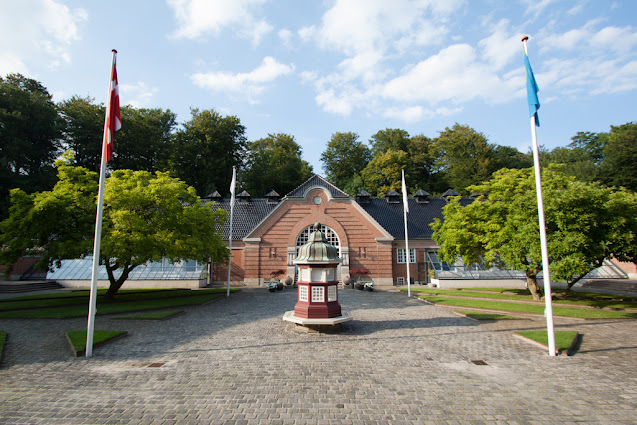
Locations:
column 603, row 301
column 530, row 308
column 66, row 312
column 155, row 315
column 3, row 337
column 78, row 339
column 487, row 316
column 564, row 340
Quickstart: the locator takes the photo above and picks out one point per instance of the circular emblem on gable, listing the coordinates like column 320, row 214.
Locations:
column 317, row 200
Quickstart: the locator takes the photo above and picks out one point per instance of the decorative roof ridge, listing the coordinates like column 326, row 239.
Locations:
column 315, row 181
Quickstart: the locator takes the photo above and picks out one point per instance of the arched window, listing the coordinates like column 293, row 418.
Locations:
column 330, row 235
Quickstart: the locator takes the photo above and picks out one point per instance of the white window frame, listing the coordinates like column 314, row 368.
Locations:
column 331, row 293
column 318, row 294
column 400, row 255
column 303, row 293
column 400, row 280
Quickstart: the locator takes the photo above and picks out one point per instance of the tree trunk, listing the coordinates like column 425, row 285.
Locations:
column 115, row 284
column 570, row 284
column 531, row 284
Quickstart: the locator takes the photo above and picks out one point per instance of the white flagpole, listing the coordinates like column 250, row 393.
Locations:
column 98, row 226
column 232, row 190
column 405, row 211
column 544, row 246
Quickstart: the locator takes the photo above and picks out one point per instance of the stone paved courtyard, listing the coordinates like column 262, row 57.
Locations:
column 235, row 361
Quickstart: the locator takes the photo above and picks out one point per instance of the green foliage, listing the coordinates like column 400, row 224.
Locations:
column 390, row 138
column 585, row 223
column 146, row 218
column 344, row 159
column 29, row 137
column 144, row 141
column 274, row 163
column 465, row 156
column 204, row 152
column 620, row 156
column 383, row 173
column 83, row 131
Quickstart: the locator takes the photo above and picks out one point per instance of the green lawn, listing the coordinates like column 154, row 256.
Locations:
column 78, row 339
column 537, row 308
column 574, row 298
column 3, row 336
column 486, row 316
column 67, row 305
column 563, row 339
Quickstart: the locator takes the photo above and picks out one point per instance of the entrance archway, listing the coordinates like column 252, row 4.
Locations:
column 304, row 237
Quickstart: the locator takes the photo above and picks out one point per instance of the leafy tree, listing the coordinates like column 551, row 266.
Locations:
column 585, row 223
column 422, row 172
column 29, row 136
column 390, row 138
column 383, row 173
column 83, row 130
column 143, row 142
column 620, row 156
column 465, row 156
column 509, row 157
column 146, row 218
column 274, row 162
column 344, row 159
column 207, row 148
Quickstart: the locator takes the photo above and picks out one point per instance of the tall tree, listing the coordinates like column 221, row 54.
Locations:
column 585, row 223
column 389, row 138
column 144, row 140
column 274, row 163
column 345, row 158
column 620, row 156
column 465, row 156
column 83, row 130
column 207, row 148
column 29, row 136
column 510, row 157
column 383, row 173
column 422, row 172
column 146, row 218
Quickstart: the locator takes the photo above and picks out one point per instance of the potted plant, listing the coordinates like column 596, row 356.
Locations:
column 368, row 286
column 272, row 286
column 275, row 276
column 358, row 283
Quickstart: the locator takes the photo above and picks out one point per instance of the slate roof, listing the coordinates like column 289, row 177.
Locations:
column 247, row 215
column 315, row 181
column 390, row 216
column 252, row 211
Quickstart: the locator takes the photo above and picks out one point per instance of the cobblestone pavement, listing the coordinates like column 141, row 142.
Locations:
column 235, row 361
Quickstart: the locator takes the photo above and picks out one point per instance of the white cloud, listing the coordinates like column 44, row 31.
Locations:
column 285, row 35
column 137, row 95
column 500, row 48
column 250, row 83
column 37, row 31
column 197, row 18
column 455, row 75
column 535, row 7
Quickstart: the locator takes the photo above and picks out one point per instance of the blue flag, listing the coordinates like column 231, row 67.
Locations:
column 531, row 90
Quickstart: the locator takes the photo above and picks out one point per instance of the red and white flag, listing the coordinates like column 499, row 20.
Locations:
column 113, row 120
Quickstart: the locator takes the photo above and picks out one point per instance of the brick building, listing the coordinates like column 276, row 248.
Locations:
column 369, row 233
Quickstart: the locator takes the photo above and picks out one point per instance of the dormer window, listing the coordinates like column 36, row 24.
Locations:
column 363, row 197
column 422, row 197
column 392, row 197
column 272, row 197
column 244, row 197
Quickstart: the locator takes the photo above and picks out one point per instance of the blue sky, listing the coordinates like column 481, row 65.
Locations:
column 312, row 68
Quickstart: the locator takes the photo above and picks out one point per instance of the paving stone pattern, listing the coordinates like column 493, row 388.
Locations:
column 235, row 361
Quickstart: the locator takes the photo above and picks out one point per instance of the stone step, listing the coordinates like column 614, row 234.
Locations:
column 22, row 286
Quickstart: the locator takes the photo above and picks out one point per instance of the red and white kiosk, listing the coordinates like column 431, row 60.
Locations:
column 317, row 303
